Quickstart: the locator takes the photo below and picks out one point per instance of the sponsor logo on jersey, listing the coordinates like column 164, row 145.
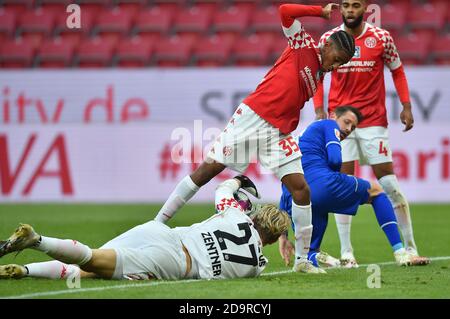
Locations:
column 337, row 133
column 309, row 80
column 370, row 42
column 357, row 52
column 370, row 64
column 227, row 150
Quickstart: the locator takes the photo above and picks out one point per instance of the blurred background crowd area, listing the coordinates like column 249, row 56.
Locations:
column 196, row 33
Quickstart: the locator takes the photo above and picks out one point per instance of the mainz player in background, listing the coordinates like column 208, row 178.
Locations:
column 360, row 83
column 262, row 124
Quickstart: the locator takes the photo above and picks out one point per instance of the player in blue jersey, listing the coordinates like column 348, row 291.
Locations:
column 335, row 192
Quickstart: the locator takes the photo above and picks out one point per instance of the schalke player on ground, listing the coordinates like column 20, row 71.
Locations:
column 332, row 191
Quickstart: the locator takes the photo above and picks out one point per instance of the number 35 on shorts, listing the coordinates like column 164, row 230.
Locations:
column 289, row 145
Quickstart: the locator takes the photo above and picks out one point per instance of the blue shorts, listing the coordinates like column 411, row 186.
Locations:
column 335, row 193
column 338, row 193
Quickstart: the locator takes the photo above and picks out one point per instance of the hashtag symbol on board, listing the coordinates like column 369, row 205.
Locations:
column 166, row 165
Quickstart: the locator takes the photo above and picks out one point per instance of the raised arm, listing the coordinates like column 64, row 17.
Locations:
column 289, row 12
column 293, row 29
column 224, row 194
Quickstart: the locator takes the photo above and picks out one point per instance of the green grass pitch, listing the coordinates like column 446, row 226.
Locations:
column 96, row 224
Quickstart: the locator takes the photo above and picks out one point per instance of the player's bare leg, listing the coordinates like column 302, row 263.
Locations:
column 343, row 223
column 384, row 172
column 302, row 218
column 187, row 188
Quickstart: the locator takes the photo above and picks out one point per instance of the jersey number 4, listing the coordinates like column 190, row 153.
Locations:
column 383, row 149
column 222, row 236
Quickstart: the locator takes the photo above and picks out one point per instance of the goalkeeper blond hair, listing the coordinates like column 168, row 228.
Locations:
column 271, row 222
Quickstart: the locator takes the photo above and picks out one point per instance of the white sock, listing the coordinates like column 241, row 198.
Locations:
column 52, row 270
column 344, row 223
column 181, row 194
column 401, row 208
column 301, row 215
column 65, row 250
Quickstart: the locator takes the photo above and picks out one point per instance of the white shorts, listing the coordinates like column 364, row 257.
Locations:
column 248, row 138
column 369, row 145
column 148, row 250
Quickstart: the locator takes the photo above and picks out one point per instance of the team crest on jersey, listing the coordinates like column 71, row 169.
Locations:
column 370, row 42
column 337, row 133
column 357, row 52
column 227, row 150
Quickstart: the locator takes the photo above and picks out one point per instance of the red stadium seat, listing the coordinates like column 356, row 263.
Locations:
column 131, row 6
column 113, row 24
column 278, row 45
column 247, row 5
column 74, row 35
column 95, row 53
column 211, row 5
column 212, row 51
column 153, row 23
column 7, row 24
column 231, row 22
column 440, row 50
column 335, row 20
column 36, row 25
column 314, row 26
column 393, row 18
column 55, row 53
column 94, row 6
column 318, row 2
column 194, row 22
column 427, row 18
column 57, row 7
column 413, row 48
column 171, row 5
column 173, row 52
column 17, row 6
column 266, row 21
column 251, row 51
column 134, row 52
column 16, row 54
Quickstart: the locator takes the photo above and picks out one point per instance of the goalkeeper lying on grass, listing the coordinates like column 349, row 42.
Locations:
column 226, row 245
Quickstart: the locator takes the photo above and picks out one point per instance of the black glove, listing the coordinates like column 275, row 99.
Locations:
column 248, row 185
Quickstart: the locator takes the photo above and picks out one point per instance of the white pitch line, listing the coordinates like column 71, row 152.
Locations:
column 158, row 283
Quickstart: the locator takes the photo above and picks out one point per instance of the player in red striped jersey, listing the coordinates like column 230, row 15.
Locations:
column 360, row 83
column 261, row 126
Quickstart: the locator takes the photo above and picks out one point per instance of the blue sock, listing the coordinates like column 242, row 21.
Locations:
column 312, row 257
column 387, row 220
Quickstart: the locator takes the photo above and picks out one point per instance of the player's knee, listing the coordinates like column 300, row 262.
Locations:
column 375, row 189
column 205, row 172
column 301, row 194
